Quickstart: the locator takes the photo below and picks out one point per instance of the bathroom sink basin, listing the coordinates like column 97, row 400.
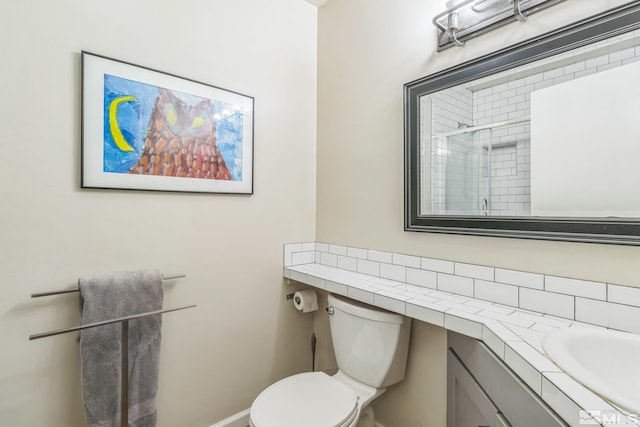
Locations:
column 606, row 362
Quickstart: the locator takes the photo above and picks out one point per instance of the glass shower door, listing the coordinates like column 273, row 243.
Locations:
column 463, row 171
column 484, row 171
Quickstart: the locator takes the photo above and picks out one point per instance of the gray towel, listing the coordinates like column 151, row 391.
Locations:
column 110, row 297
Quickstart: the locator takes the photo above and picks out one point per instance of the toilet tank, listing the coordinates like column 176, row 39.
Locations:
column 371, row 344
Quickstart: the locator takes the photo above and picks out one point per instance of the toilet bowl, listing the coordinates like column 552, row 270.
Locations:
column 371, row 347
column 311, row 399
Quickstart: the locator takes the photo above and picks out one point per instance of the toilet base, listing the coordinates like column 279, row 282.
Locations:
column 367, row 418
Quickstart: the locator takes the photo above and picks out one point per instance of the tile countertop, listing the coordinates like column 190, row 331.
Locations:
column 514, row 335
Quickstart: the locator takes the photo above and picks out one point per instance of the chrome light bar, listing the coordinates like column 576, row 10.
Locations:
column 466, row 19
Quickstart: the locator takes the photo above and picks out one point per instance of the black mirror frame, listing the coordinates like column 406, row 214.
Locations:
column 595, row 230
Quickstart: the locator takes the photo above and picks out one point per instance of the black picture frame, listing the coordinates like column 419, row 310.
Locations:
column 624, row 231
column 144, row 129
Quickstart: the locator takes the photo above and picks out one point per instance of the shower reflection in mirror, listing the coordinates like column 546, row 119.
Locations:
column 486, row 147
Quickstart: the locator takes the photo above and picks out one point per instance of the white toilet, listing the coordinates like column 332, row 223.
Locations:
column 371, row 350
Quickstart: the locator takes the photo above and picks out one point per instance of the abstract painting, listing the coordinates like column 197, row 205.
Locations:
column 147, row 130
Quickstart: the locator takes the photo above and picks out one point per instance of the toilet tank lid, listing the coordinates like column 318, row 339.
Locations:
column 357, row 308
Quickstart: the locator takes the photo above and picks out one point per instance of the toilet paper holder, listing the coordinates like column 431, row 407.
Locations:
column 291, row 296
column 304, row 300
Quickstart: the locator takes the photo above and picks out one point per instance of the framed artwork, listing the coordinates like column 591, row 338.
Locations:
column 143, row 129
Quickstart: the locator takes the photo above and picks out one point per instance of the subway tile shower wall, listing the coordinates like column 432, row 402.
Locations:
column 599, row 303
column 492, row 100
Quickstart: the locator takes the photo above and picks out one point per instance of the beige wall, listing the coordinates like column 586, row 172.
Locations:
column 367, row 49
column 242, row 336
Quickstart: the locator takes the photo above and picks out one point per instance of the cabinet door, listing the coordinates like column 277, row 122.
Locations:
column 467, row 404
column 515, row 400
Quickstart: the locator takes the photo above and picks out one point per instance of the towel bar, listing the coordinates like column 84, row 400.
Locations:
column 124, row 339
column 106, row 322
column 124, row 352
column 68, row 291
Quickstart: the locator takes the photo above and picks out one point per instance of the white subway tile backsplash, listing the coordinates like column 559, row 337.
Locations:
column 437, row 265
column 322, row 247
column 347, row 263
column 357, row 253
column 475, row 271
column 520, row 278
column 547, row 302
column 583, row 288
column 368, row 267
column 623, row 295
column 617, row 316
column 338, row 250
column 406, row 260
column 393, row 272
column 552, row 74
column 293, row 247
column 286, row 258
column 298, row 258
column 496, row 292
column 534, row 79
column 289, row 249
column 455, row 284
column 328, row 259
column 574, row 68
column 380, row 256
column 427, row 279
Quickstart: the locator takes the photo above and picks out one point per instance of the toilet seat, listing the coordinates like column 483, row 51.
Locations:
column 312, row 399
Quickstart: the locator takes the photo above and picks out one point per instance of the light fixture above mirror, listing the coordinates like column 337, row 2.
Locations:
column 465, row 19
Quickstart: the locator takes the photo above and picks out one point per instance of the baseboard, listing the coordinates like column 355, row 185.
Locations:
column 241, row 419
column 378, row 424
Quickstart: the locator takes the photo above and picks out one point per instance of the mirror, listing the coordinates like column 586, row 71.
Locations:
column 539, row 140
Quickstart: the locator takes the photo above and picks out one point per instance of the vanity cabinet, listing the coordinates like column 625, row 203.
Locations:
column 483, row 391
